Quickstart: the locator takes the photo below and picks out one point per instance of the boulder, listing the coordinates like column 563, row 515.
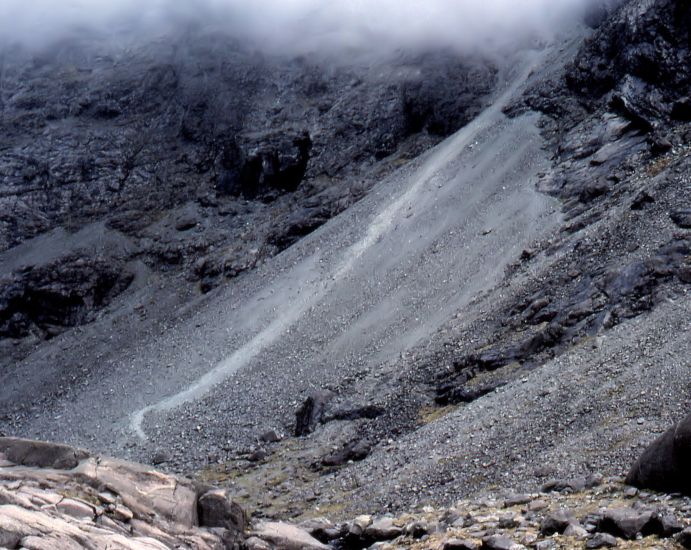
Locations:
column 311, row 412
column 382, row 530
column 602, row 540
column 143, row 490
column 24, row 452
column 576, row 531
column 355, row 450
column 664, row 465
column 556, row 522
column 500, row 542
column 625, row 523
column 662, row 525
column 283, row 536
column 217, row 509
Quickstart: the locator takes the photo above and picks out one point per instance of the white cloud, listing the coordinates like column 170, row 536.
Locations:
column 299, row 25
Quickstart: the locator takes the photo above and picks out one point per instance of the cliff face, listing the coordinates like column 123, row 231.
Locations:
column 192, row 155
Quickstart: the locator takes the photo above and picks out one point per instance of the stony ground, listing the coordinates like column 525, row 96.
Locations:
column 53, row 496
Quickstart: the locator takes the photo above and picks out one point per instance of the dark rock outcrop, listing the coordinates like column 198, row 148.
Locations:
column 643, row 42
column 664, row 466
column 311, row 412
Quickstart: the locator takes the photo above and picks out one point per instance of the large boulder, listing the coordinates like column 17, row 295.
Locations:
column 664, row 466
column 24, row 452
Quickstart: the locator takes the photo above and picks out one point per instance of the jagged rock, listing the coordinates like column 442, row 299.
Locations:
column 556, row 522
column 642, row 104
column 642, row 40
column 111, row 503
column 625, row 523
column 664, row 465
column 311, row 412
column 283, row 536
column 59, row 294
column 144, row 491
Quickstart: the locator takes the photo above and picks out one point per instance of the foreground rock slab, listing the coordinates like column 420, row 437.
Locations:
column 53, row 496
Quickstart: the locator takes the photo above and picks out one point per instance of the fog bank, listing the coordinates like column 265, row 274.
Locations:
column 299, row 26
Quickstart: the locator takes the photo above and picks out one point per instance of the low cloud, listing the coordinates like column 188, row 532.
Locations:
column 299, row 26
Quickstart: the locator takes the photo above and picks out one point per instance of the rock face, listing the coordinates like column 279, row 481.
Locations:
column 203, row 156
column 664, row 466
column 643, row 44
column 54, row 496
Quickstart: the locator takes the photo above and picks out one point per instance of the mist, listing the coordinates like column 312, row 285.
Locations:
column 297, row 26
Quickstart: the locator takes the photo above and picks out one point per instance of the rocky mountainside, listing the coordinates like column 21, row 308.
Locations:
column 192, row 156
column 280, row 277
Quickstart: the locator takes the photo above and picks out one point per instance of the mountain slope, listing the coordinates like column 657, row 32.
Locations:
column 508, row 306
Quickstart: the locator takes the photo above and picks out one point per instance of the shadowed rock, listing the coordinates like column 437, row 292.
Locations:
column 664, row 466
column 311, row 412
